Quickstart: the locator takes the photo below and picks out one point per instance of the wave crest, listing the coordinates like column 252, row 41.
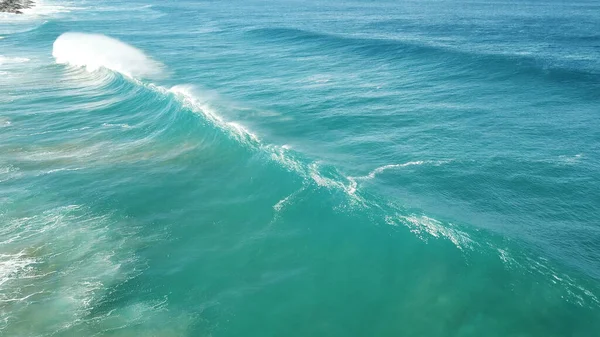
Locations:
column 96, row 51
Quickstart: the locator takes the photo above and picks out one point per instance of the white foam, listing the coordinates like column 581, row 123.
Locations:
column 123, row 126
column 286, row 201
column 378, row 170
column 190, row 96
column 14, row 265
column 381, row 169
column 9, row 172
column 505, row 256
column 279, row 154
column 64, row 170
column 420, row 224
column 55, row 264
column 12, row 60
column 96, row 51
column 334, row 183
column 312, row 172
column 570, row 160
column 243, row 131
column 5, row 122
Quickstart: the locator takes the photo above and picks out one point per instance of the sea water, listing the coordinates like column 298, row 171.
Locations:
column 300, row 168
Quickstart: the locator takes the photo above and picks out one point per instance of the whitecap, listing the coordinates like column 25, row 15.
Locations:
column 96, row 51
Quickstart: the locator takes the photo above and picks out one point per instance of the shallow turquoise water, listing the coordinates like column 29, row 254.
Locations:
column 191, row 168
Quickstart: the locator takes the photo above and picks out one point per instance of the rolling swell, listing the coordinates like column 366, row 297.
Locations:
column 494, row 65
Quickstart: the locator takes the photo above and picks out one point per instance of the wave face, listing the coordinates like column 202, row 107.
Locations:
column 343, row 169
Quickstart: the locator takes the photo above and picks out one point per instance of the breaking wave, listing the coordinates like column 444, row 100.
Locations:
column 95, row 51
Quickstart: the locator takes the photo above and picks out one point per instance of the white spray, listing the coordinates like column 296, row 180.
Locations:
column 96, row 51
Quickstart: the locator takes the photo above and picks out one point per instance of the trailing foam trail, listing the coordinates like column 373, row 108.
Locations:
column 381, row 169
column 12, row 60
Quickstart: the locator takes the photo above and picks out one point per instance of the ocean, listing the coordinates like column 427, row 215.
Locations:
column 300, row 168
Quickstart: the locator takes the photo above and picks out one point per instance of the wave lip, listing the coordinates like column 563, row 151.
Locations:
column 96, row 51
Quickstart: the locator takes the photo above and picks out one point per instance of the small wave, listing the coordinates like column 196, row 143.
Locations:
column 96, row 51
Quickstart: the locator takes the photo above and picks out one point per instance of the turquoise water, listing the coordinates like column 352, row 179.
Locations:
column 300, row 168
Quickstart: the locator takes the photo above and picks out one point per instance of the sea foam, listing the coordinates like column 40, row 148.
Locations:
column 96, row 51
column 12, row 60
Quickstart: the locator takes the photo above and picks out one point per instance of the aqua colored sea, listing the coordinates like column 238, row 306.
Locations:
column 300, row 168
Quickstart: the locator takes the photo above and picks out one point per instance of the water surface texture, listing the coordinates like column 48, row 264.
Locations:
column 300, row 168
